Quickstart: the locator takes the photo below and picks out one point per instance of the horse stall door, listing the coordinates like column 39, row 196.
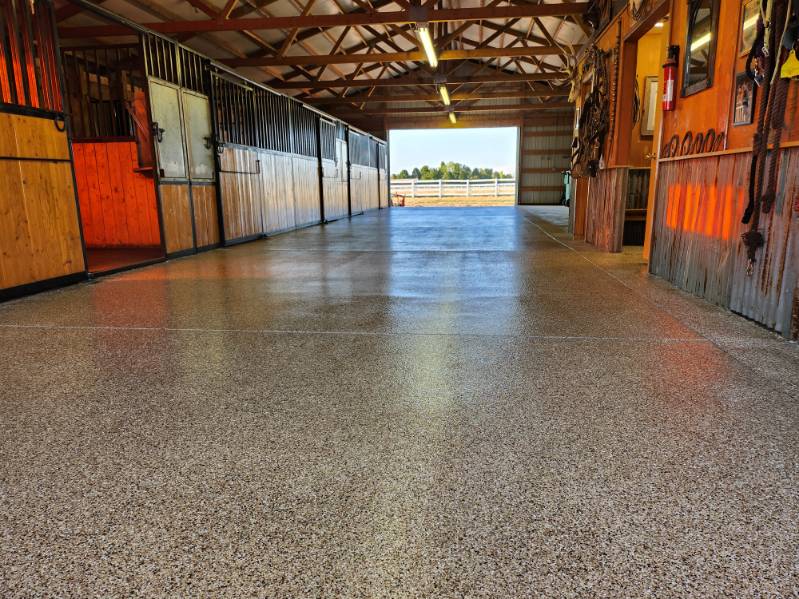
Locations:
column 112, row 150
column 199, row 141
column 176, row 208
column 382, row 176
column 40, row 241
column 334, row 171
column 40, row 244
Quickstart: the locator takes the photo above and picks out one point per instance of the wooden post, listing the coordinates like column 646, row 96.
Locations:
column 413, row 188
column 468, row 191
column 440, row 188
column 496, row 188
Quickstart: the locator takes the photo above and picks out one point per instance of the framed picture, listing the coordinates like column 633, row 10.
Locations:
column 744, row 107
column 649, row 106
column 750, row 12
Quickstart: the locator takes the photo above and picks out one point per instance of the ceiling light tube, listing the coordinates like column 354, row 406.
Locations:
column 452, row 118
column 442, row 89
column 423, row 33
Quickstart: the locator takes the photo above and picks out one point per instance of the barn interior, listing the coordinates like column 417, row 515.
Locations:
column 237, row 365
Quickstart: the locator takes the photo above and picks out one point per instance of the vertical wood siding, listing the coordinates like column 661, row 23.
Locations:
column 604, row 224
column 307, row 207
column 697, row 238
column 382, row 189
column 117, row 204
column 335, row 183
column 278, row 183
column 39, row 232
column 363, row 188
column 241, row 193
column 206, row 219
column 177, row 216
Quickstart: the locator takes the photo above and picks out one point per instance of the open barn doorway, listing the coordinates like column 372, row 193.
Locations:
column 107, row 104
column 454, row 167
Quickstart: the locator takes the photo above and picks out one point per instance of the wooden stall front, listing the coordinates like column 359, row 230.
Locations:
column 364, row 184
column 333, row 156
column 40, row 239
column 382, row 174
column 179, row 88
column 269, row 160
column 106, row 98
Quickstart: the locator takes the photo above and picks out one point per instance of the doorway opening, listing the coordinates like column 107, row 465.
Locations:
column 107, row 102
column 466, row 167
column 649, row 50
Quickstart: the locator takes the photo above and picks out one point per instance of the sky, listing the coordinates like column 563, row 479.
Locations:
column 494, row 148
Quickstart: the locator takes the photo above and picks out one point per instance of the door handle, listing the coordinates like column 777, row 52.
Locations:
column 158, row 132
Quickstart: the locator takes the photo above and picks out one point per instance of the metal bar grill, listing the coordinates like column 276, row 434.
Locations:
column 28, row 67
column 100, row 90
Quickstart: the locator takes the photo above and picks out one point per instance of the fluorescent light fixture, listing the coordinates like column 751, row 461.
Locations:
column 442, row 89
column 452, row 118
column 701, row 42
column 423, row 33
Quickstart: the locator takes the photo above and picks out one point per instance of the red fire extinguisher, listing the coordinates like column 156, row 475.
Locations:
column 670, row 78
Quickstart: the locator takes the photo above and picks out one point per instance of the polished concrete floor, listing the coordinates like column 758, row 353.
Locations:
column 414, row 403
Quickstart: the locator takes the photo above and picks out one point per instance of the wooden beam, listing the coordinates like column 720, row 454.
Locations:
column 475, row 108
column 465, row 121
column 269, row 61
column 337, row 20
column 413, row 81
column 456, row 97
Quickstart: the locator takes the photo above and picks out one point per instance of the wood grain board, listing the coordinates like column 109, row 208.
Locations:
column 117, row 203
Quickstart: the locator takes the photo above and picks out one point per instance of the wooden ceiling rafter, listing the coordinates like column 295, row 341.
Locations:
column 382, row 57
column 517, row 94
column 441, row 110
column 338, row 20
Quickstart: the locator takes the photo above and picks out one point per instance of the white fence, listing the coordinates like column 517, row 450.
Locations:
column 453, row 188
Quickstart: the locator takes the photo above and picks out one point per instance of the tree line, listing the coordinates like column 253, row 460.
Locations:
column 450, row 170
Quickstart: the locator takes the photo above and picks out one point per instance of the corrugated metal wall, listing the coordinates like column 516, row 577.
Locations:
column 697, row 238
column 545, row 152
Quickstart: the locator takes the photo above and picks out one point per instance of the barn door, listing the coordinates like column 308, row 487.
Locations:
column 199, row 138
column 167, row 129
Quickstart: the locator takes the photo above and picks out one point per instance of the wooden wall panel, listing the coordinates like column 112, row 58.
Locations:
column 176, row 211
column 604, row 224
column 697, row 237
column 373, row 189
column 39, row 231
column 118, row 205
column 206, row 215
column 383, row 188
column 335, row 189
column 242, row 192
column 31, row 137
column 278, row 181
column 307, row 205
column 363, row 186
column 359, row 188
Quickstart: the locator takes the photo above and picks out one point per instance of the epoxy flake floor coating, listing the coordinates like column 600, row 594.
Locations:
column 411, row 403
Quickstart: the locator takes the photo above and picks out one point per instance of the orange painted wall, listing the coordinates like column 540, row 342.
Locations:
column 117, row 205
column 648, row 64
column 713, row 107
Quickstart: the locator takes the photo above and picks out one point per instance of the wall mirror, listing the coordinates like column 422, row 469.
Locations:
column 703, row 18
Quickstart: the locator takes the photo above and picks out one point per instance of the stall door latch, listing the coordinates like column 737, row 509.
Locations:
column 157, row 132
